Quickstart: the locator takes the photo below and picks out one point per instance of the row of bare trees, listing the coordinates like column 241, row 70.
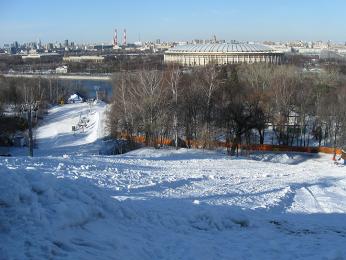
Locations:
column 254, row 103
column 22, row 102
column 16, row 91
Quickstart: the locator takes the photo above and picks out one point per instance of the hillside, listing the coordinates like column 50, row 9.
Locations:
column 68, row 202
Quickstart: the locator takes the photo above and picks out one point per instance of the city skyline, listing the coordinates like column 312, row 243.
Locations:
column 85, row 21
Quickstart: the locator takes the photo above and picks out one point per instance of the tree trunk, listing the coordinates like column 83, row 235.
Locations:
column 335, row 138
column 175, row 126
column 236, row 141
column 31, row 142
column 261, row 134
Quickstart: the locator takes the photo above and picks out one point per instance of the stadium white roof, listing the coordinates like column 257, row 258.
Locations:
column 220, row 48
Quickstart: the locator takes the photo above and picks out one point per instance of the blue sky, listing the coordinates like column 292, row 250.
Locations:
column 244, row 20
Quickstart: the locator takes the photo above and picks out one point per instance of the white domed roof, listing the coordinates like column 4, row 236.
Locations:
column 220, row 48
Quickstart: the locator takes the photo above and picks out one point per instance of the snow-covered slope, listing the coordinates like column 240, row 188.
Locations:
column 56, row 132
column 54, row 136
column 167, row 204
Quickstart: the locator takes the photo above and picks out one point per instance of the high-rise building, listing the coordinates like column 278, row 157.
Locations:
column 7, row 48
column 66, row 43
column 39, row 44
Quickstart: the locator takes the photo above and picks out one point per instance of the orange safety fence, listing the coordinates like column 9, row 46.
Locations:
column 282, row 148
column 254, row 147
column 141, row 139
column 330, row 150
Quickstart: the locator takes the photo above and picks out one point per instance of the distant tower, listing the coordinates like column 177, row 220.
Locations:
column 124, row 38
column 115, row 38
column 39, row 43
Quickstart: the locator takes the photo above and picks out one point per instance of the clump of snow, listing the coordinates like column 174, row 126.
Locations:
column 340, row 161
column 197, row 202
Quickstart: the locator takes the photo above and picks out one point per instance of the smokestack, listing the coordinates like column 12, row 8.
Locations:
column 124, row 38
column 115, row 38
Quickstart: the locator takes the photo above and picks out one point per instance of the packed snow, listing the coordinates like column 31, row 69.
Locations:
column 69, row 202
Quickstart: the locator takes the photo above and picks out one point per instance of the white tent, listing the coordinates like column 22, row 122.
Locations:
column 75, row 98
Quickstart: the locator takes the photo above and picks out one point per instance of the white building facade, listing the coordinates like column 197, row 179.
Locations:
column 221, row 53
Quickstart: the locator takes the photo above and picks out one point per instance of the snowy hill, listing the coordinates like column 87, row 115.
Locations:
column 56, row 132
column 165, row 204
column 54, row 136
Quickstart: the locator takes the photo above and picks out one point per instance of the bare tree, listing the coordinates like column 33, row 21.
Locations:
column 30, row 104
column 172, row 77
column 150, row 91
column 283, row 84
column 209, row 83
column 257, row 78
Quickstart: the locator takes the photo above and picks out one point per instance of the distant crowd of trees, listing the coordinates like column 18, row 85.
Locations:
column 111, row 63
column 19, row 95
column 239, row 104
column 118, row 63
column 18, row 91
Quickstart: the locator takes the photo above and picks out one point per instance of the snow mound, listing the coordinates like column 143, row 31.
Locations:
column 43, row 216
column 173, row 154
column 34, row 207
column 282, row 157
column 214, row 220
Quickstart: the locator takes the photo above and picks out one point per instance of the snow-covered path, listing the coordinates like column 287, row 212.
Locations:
column 168, row 204
column 55, row 136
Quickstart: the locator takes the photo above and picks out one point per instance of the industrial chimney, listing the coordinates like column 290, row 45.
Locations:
column 124, row 38
column 115, row 38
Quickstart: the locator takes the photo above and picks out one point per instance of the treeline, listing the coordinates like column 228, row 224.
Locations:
column 18, row 91
column 112, row 63
column 23, row 98
column 121, row 62
column 237, row 104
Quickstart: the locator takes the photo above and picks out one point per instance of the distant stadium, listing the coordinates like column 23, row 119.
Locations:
column 221, row 53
